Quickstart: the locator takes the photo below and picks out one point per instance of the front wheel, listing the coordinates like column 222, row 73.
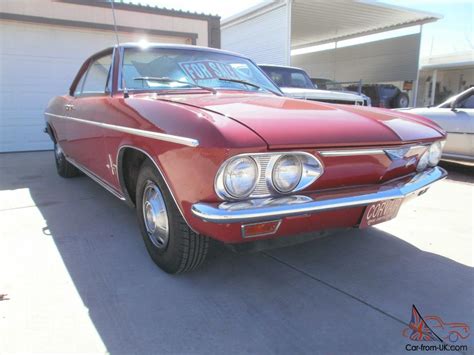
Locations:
column 172, row 245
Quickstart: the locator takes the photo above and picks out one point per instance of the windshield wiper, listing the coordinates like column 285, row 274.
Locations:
column 250, row 84
column 169, row 80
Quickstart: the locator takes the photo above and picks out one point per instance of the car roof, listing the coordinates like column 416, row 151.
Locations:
column 280, row 66
column 167, row 46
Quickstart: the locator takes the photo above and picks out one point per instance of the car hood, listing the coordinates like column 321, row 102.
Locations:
column 288, row 123
column 318, row 94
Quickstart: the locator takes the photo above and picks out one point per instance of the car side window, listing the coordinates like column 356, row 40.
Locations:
column 468, row 102
column 97, row 77
column 80, row 84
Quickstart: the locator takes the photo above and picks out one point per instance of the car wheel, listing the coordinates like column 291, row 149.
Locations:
column 172, row 245
column 453, row 337
column 402, row 100
column 63, row 167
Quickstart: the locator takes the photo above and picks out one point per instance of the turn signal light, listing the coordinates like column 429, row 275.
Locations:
column 260, row 229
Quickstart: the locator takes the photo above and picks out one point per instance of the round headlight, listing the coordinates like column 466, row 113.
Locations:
column 435, row 153
column 240, row 177
column 423, row 162
column 287, row 173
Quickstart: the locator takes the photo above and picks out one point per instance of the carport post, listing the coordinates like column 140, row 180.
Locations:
column 433, row 86
column 417, row 81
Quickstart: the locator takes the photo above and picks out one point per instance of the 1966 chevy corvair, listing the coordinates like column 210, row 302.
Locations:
column 205, row 146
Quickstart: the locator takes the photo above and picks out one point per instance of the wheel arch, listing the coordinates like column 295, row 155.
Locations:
column 51, row 132
column 124, row 154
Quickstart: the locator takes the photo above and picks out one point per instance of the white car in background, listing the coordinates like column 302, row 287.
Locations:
column 296, row 83
column 456, row 117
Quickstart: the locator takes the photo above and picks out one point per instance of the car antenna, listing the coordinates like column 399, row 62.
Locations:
column 125, row 91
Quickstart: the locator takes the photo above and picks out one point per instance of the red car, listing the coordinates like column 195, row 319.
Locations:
column 447, row 331
column 204, row 145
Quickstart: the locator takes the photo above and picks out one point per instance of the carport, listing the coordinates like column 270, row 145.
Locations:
column 338, row 40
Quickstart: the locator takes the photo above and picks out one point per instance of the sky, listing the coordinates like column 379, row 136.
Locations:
column 453, row 33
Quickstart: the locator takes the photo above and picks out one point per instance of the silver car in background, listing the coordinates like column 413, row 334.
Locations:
column 296, row 83
column 456, row 117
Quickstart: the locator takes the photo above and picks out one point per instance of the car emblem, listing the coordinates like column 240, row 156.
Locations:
column 395, row 154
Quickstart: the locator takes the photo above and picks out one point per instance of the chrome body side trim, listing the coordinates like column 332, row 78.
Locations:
column 190, row 142
column 368, row 151
column 97, row 179
column 350, row 152
column 267, row 209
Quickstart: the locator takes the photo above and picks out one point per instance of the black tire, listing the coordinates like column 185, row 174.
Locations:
column 64, row 168
column 401, row 100
column 185, row 250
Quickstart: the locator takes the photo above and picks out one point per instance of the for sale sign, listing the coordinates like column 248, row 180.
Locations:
column 208, row 70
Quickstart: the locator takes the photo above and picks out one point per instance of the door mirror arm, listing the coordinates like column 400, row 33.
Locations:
column 453, row 106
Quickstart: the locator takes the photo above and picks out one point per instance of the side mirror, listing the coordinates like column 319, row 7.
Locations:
column 453, row 105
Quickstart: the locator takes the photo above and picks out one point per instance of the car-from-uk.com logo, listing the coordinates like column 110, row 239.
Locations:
column 431, row 333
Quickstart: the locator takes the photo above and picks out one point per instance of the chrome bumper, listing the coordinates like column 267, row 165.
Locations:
column 273, row 208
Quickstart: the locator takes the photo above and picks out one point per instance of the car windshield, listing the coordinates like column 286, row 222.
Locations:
column 172, row 68
column 288, row 77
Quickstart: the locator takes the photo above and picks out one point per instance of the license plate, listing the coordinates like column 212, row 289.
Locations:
column 379, row 212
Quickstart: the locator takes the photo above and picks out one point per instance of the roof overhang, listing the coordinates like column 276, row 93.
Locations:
column 318, row 22
column 469, row 64
column 315, row 22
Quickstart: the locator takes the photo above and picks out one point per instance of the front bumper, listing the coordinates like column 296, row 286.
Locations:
column 257, row 210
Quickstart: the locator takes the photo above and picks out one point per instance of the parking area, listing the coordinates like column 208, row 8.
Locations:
column 75, row 277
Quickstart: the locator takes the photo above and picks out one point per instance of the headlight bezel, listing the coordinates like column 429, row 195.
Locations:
column 438, row 144
column 312, row 169
column 274, row 172
column 422, row 163
column 222, row 189
column 426, row 155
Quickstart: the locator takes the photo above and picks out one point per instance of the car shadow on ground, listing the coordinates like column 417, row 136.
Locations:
column 460, row 172
column 351, row 292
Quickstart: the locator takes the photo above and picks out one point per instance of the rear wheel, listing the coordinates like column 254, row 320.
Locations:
column 63, row 167
column 172, row 245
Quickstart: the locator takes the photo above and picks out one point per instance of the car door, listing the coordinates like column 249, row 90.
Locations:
column 459, row 124
column 85, row 112
column 465, row 111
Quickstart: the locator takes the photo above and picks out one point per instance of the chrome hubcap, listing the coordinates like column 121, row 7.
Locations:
column 155, row 215
column 59, row 153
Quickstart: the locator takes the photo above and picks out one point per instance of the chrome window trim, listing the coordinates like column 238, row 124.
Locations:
column 190, row 142
column 304, row 182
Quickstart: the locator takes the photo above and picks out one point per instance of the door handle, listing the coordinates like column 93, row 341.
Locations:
column 69, row 107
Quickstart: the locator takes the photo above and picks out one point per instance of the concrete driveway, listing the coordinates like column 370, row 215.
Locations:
column 75, row 277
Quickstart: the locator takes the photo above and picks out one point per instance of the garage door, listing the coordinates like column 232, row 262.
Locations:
column 38, row 62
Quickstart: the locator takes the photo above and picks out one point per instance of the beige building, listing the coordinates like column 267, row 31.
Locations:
column 44, row 42
column 451, row 74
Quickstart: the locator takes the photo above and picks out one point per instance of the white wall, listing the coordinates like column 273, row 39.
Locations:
column 263, row 38
column 394, row 59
